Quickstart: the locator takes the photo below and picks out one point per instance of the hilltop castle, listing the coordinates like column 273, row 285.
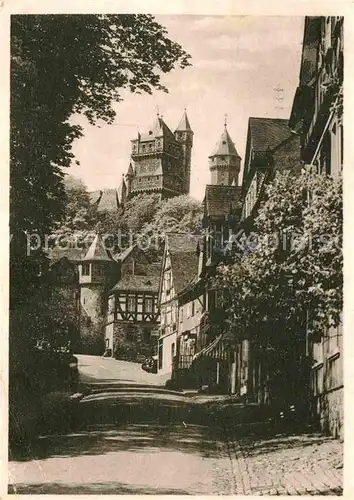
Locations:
column 160, row 164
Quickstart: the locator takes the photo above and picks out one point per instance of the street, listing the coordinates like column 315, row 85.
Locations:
column 134, row 437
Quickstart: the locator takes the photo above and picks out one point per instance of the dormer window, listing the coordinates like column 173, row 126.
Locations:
column 85, row 269
column 224, row 142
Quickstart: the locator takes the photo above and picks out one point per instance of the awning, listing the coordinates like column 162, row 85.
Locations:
column 216, row 350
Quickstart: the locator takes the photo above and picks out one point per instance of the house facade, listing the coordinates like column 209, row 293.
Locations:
column 317, row 116
column 179, row 268
column 132, row 316
column 202, row 356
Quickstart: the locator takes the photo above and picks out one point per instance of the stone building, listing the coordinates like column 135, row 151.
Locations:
column 97, row 273
column 191, row 344
column 317, row 117
column 179, row 268
column 160, row 164
column 161, row 160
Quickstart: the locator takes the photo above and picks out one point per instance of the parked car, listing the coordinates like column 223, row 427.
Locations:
column 150, row 365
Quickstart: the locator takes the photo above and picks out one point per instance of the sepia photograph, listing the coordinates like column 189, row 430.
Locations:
column 176, row 261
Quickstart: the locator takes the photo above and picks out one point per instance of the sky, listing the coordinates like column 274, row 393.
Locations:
column 237, row 63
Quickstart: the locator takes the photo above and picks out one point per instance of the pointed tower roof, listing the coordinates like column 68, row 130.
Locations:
column 130, row 172
column 122, row 191
column 97, row 251
column 184, row 124
column 225, row 146
column 159, row 129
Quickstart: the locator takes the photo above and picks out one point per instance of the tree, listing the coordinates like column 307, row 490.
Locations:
column 292, row 264
column 178, row 214
column 61, row 65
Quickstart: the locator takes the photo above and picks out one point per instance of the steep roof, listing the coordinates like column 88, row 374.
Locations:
column 72, row 254
column 184, row 268
column 221, row 200
column 225, row 146
column 184, row 124
column 122, row 191
column 138, row 283
column 182, row 242
column 130, row 172
column 125, row 253
column 95, row 196
column 159, row 129
column 267, row 133
column 97, row 251
column 108, row 201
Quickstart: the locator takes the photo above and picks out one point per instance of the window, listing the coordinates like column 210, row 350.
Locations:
column 192, row 308
column 131, row 303
column 168, row 281
column 317, row 380
column 181, row 315
column 85, row 269
column 111, row 304
column 334, row 376
column 148, row 304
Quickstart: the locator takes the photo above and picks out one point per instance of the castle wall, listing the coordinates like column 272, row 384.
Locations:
column 92, row 319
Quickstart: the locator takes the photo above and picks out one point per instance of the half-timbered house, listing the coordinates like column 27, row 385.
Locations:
column 132, row 312
column 179, row 268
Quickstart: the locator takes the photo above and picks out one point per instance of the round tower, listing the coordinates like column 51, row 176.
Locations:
column 96, row 274
column 225, row 162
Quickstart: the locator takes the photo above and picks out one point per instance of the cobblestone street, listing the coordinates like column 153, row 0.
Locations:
column 140, row 439
column 288, row 465
column 179, row 459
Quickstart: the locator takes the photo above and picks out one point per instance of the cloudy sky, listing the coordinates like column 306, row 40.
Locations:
column 238, row 62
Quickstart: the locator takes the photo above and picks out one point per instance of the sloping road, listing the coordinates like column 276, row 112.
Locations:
column 134, row 437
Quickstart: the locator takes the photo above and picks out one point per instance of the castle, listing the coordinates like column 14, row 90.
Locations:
column 160, row 164
column 117, row 295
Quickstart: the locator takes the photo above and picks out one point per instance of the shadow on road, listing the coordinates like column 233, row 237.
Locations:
column 140, row 438
column 87, row 489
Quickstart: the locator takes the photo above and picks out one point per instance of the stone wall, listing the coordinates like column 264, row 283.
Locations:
column 92, row 320
column 329, row 409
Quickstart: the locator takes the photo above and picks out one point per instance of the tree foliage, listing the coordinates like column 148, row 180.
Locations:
column 292, row 264
column 61, row 65
column 178, row 214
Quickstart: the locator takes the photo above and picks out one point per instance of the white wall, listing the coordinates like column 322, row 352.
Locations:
column 167, row 354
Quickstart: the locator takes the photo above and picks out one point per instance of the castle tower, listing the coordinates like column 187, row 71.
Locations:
column 162, row 160
column 129, row 178
column 224, row 162
column 97, row 272
column 184, row 135
column 122, row 192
